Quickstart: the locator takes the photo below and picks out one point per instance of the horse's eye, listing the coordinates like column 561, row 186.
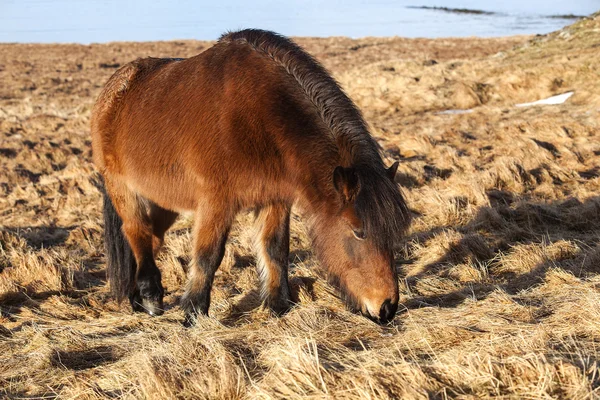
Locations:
column 359, row 234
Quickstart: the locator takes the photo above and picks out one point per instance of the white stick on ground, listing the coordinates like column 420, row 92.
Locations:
column 559, row 99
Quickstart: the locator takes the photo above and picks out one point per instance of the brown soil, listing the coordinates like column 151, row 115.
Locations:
column 498, row 274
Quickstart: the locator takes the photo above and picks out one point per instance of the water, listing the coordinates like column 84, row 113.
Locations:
column 87, row 21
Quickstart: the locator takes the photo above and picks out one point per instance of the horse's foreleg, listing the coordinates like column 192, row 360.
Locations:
column 272, row 249
column 147, row 294
column 210, row 234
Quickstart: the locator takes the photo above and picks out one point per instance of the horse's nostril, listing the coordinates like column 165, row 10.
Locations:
column 387, row 311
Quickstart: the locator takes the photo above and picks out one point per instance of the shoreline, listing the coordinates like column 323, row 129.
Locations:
column 300, row 38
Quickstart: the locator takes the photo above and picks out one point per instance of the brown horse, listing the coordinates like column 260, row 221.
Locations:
column 252, row 122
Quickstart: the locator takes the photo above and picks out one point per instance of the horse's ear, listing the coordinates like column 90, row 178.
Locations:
column 345, row 181
column 391, row 171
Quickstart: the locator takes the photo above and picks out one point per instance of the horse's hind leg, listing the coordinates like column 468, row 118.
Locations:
column 272, row 249
column 147, row 292
column 161, row 219
column 210, row 234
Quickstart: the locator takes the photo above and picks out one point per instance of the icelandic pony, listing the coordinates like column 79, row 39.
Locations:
column 252, row 122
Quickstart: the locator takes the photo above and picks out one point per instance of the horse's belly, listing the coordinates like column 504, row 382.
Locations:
column 180, row 179
column 178, row 194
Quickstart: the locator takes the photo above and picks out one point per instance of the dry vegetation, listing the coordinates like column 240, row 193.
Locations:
column 498, row 275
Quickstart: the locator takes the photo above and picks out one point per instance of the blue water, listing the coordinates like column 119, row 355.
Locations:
column 87, row 21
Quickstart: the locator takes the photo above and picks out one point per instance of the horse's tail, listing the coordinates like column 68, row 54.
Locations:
column 121, row 265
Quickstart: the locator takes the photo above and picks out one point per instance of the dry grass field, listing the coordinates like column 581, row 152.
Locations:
column 499, row 273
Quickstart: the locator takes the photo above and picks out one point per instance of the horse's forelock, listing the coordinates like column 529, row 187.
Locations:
column 381, row 207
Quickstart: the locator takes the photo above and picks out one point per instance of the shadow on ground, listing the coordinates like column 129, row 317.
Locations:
column 496, row 231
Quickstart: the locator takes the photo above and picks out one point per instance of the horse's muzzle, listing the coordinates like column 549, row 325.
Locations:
column 387, row 311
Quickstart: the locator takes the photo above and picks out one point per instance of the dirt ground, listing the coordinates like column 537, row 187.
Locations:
column 500, row 292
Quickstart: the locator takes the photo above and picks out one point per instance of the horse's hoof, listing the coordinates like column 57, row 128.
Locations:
column 153, row 307
column 136, row 301
column 150, row 306
column 189, row 321
column 279, row 307
column 194, row 305
column 191, row 317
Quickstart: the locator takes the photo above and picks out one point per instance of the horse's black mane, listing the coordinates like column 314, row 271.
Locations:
column 379, row 203
column 337, row 111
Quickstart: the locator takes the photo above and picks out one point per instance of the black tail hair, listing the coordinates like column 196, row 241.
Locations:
column 121, row 266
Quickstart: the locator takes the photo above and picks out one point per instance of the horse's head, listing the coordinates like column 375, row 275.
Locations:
column 355, row 237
